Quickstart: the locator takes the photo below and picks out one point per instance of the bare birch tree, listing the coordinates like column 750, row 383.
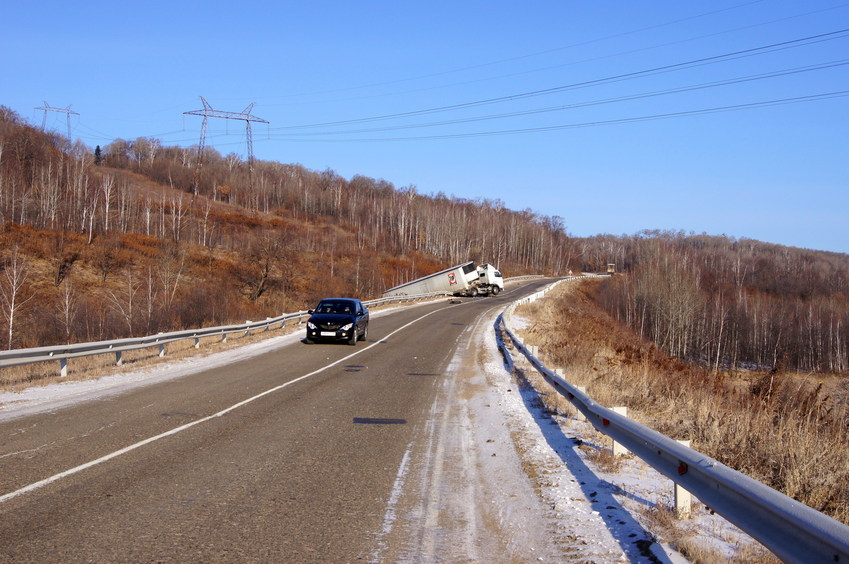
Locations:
column 13, row 291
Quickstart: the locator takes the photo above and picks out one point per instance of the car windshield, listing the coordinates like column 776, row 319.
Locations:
column 335, row 307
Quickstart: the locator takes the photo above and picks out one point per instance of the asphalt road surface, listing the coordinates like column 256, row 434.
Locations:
column 289, row 456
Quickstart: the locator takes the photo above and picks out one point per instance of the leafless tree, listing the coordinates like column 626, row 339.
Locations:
column 14, row 291
column 68, row 308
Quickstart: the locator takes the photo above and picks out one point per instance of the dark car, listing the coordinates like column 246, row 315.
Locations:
column 338, row 319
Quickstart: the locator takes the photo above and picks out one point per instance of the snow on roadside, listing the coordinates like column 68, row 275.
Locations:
column 608, row 508
column 37, row 399
column 587, row 520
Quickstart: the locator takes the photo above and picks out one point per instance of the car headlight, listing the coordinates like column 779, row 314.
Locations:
column 346, row 327
column 311, row 325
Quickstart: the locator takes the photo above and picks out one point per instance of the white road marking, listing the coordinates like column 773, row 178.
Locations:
column 390, row 515
column 56, row 477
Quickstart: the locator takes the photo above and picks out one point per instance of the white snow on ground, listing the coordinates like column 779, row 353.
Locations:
column 602, row 506
column 581, row 502
column 498, row 433
column 56, row 396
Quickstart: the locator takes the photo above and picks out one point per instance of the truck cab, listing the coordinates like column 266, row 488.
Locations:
column 490, row 278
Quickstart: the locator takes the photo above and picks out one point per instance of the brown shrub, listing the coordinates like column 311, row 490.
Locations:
column 783, row 429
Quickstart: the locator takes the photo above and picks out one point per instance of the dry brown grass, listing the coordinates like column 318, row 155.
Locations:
column 786, row 430
column 17, row 378
column 691, row 544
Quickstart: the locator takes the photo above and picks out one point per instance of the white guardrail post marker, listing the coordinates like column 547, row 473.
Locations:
column 581, row 416
column 618, row 449
column 683, row 498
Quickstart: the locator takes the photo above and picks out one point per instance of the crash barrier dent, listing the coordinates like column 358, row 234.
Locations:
column 793, row 531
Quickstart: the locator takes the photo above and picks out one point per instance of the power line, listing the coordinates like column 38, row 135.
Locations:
column 653, row 117
column 534, row 54
column 639, row 96
column 838, row 34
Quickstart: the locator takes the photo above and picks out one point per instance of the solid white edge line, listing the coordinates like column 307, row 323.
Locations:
column 56, row 477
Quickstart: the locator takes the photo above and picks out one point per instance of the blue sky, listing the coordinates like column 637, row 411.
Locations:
column 617, row 116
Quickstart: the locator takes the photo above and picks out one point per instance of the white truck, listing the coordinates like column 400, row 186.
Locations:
column 461, row 280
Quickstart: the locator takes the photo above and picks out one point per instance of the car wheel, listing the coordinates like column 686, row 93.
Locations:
column 364, row 336
column 353, row 339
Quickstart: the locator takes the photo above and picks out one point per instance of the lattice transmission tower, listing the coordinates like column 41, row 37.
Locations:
column 245, row 115
column 67, row 111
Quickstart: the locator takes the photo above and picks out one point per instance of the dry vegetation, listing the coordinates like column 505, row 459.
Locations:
column 723, row 303
column 137, row 238
column 787, row 430
column 93, row 367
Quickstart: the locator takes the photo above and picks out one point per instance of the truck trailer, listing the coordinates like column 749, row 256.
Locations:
column 461, row 280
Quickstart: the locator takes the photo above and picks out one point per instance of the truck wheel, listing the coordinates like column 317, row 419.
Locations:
column 494, row 290
column 473, row 292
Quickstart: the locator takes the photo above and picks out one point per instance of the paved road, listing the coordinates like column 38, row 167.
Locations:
column 301, row 471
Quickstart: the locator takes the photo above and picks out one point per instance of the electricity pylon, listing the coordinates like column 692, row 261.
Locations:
column 67, row 111
column 245, row 115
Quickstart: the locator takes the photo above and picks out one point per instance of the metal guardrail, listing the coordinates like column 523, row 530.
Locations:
column 62, row 353
column 525, row 277
column 791, row 530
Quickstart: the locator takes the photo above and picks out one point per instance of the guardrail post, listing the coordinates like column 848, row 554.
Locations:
column 581, row 416
column 161, row 350
column 118, row 360
column 197, row 342
column 619, row 450
column 63, row 367
column 223, row 337
column 683, row 498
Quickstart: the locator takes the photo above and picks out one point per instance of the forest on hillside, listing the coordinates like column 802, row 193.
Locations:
column 731, row 304
column 134, row 238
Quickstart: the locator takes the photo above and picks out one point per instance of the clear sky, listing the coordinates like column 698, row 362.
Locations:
column 722, row 117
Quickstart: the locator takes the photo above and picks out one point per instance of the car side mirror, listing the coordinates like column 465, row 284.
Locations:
column 310, row 311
